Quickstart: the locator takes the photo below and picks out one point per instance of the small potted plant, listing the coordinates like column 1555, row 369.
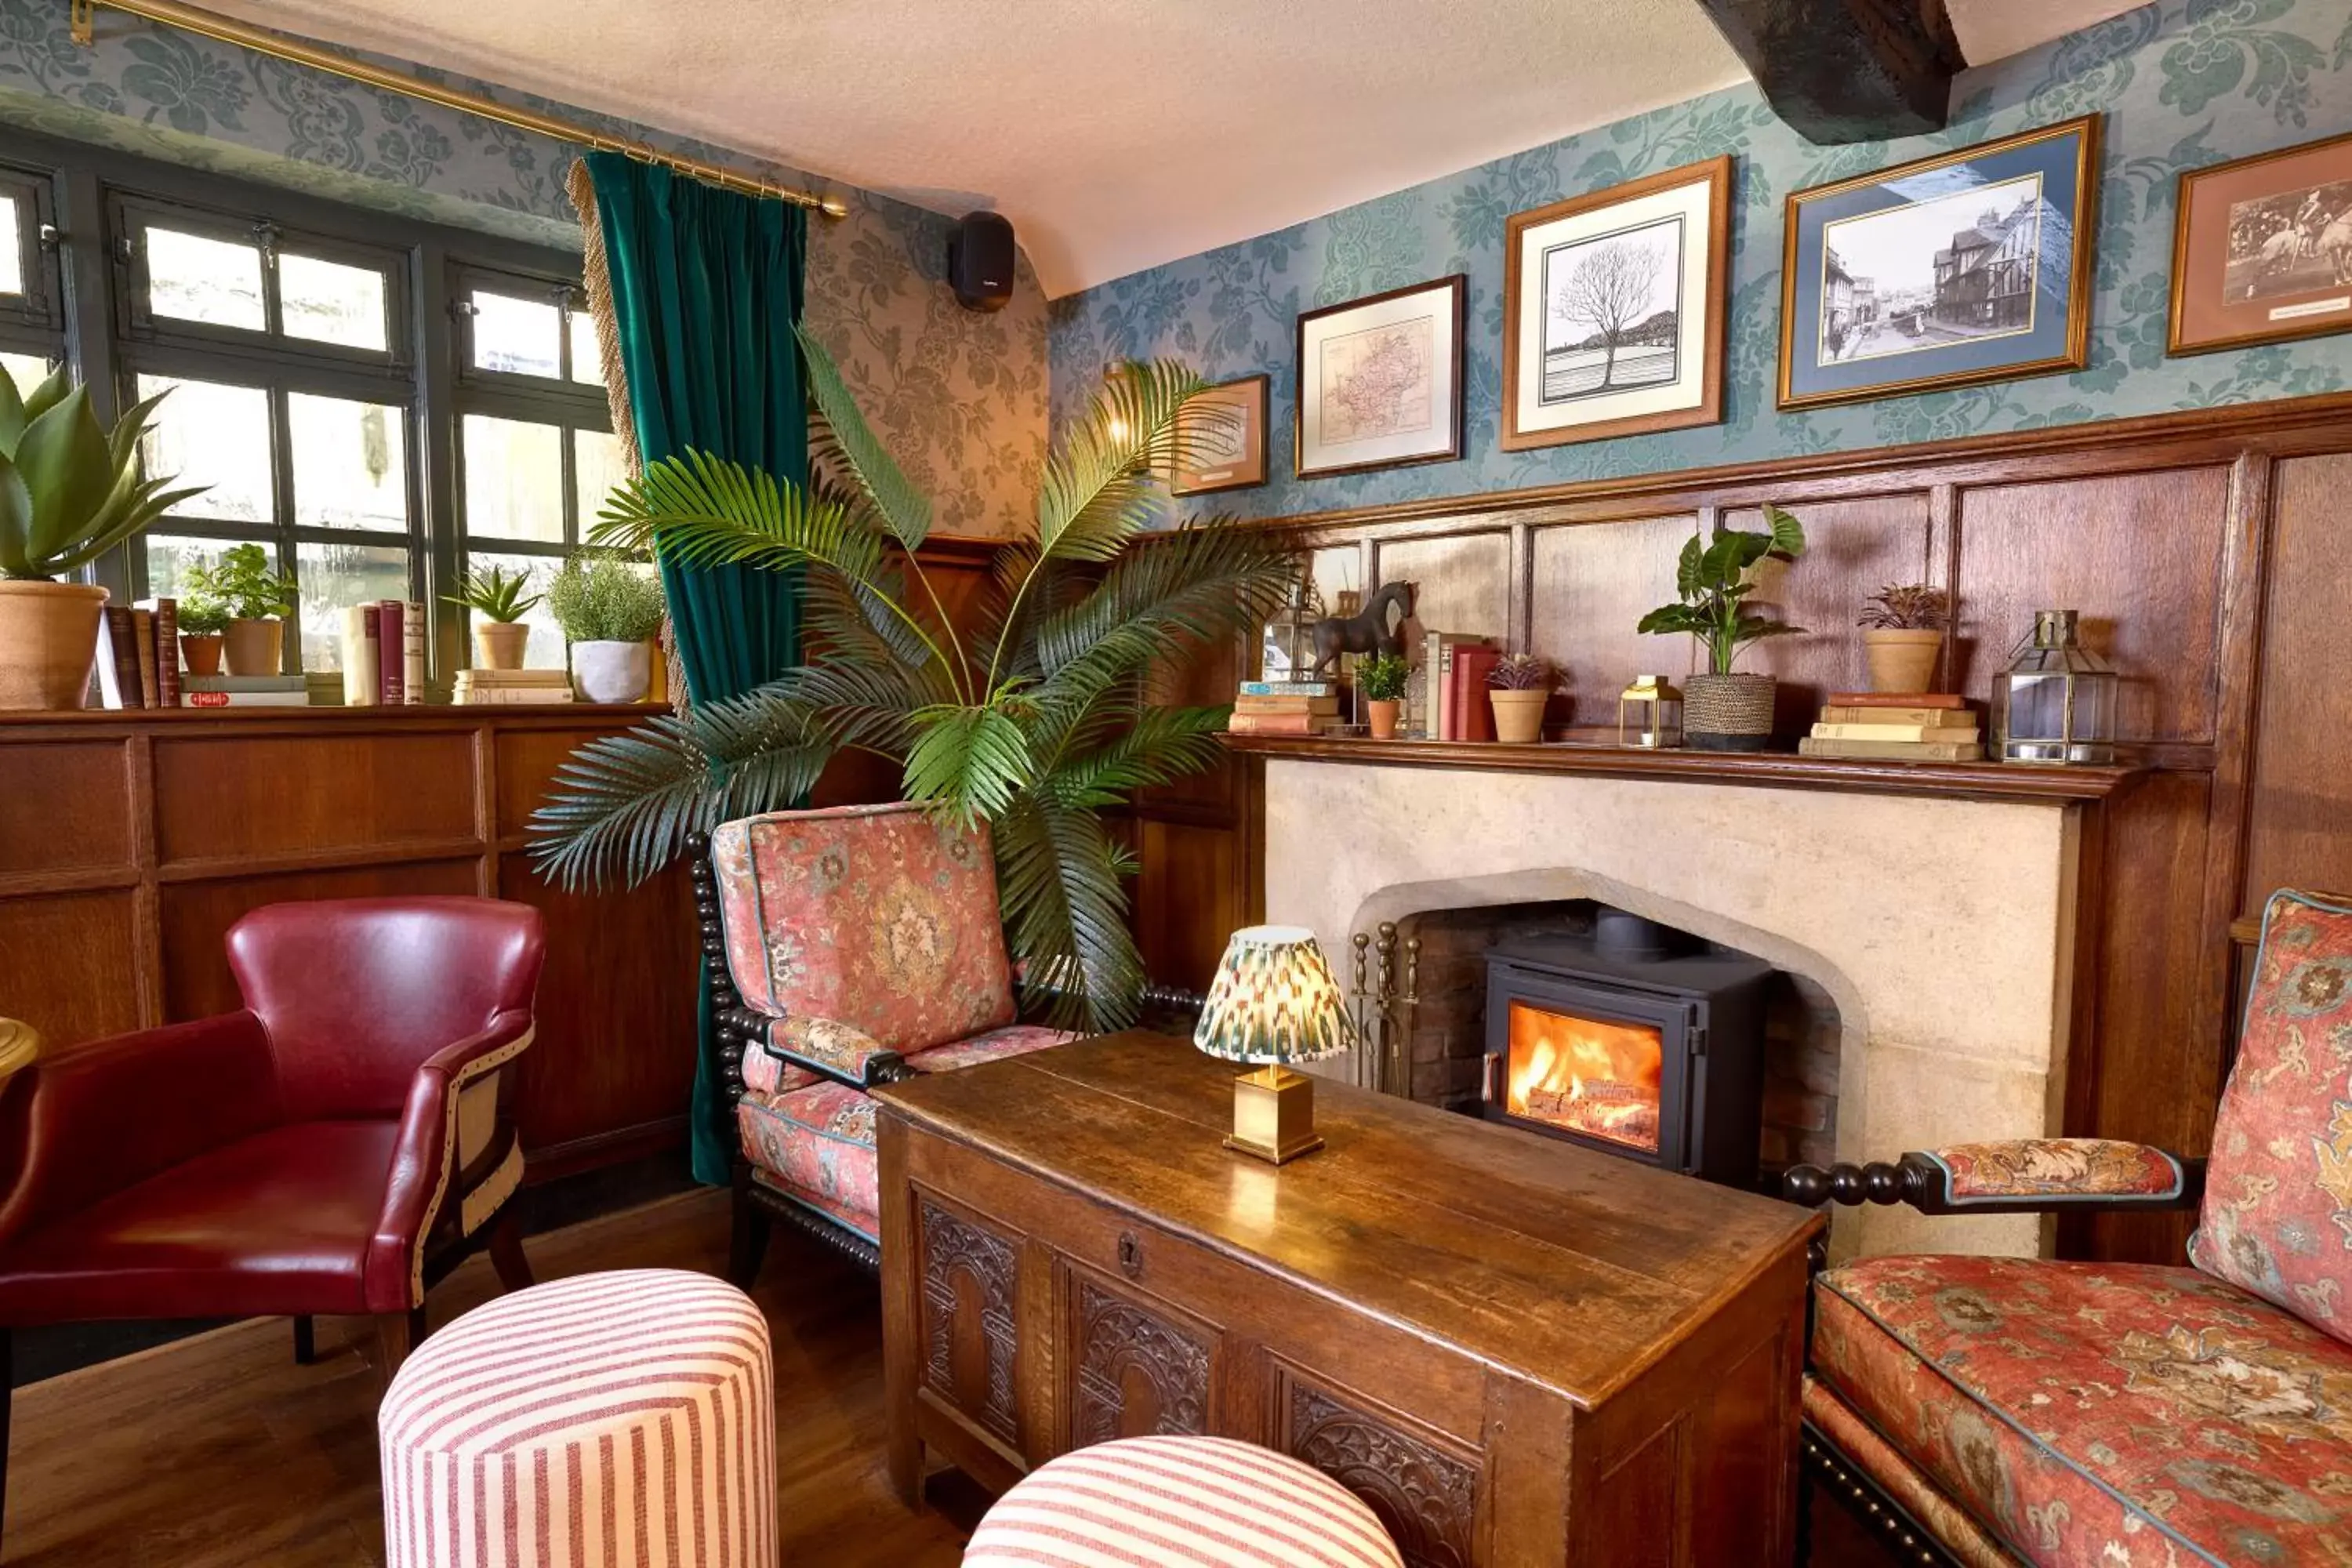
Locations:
column 610, row 610
column 1379, row 680
column 1724, row 709
column 497, row 596
column 256, row 600
column 1519, row 686
column 69, row 492
column 1902, row 632
column 203, row 619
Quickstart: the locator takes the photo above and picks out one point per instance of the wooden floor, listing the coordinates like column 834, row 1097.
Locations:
column 219, row 1450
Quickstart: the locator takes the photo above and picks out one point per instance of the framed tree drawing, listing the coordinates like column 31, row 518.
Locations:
column 1968, row 267
column 1223, row 438
column 1379, row 381
column 1615, row 308
column 2261, row 249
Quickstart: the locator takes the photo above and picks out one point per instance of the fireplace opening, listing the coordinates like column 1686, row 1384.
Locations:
column 1585, row 1075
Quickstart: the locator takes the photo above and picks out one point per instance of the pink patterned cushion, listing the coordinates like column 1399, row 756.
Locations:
column 765, row 1072
column 1013, row 1040
column 2056, row 1168
column 875, row 917
column 815, row 1145
column 2277, row 1218
column 1179, row 1502
column 1954, row 1528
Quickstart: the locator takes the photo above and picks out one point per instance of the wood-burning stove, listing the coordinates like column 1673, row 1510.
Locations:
column 1635, row 1041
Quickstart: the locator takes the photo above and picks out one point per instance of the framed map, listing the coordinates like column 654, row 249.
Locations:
column 1379, row 381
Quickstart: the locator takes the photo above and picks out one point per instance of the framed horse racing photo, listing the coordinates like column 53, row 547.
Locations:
column 1968, row 267
column 1379, row 381
column 2261, row 249
column 1612, row 323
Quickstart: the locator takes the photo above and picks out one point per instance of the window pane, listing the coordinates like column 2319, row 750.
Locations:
column 350, row 463
column 545, row 649
column 208, row 433
column 27, row 371
column 196, row 278
column 332, row 576
column 587, row 360
column 169, row 560
column 12, row 246
column 514, row 478
column 596, row 468
column 331, row 303
column 524, row 336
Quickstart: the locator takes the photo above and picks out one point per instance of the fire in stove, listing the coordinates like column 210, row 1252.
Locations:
column 1590, row 1077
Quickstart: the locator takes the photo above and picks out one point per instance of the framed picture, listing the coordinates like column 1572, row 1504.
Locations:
column 2261, row 249
column 1379, row 381
column 1221, row 438
column 1613, row 309
column 1974, row 266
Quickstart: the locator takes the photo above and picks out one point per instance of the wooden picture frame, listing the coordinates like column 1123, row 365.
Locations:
column 1645, row 265
column 1406, row 345
column 1237, row 462
column 2275, row 227
column 1968, row 267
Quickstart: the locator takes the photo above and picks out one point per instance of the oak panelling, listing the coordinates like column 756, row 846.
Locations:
column 65, row 963
column 2301, row 832
column 196, row 916
column 1463, row 583
column 1592, row 586
column 222, row 798
column 1193, row 899
column 85, row 821
column 2140, row 554
column 525, row 760
column 1853, row 548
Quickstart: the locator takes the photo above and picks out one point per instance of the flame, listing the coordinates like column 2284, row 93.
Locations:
column 1589, row 1077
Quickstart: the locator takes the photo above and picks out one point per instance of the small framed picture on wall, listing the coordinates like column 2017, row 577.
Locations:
column 1969, row 267
column 2261, row 249
column 1614, row 307
column 1379, row 381
column 1221, row 438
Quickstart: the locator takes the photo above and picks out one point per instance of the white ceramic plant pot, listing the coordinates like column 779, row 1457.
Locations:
column 613, row 671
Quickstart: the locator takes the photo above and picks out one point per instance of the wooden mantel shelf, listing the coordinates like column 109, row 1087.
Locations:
column 1959, row 781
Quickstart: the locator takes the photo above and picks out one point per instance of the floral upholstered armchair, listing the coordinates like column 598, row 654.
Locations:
column 861, row 944
column 2003, row 1410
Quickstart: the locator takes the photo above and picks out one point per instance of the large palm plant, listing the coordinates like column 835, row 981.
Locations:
column 1034, row 717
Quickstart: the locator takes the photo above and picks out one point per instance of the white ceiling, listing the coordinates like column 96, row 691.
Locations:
column 1116, row 134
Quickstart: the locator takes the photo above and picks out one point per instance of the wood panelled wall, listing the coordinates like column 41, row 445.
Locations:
column 2203, row 550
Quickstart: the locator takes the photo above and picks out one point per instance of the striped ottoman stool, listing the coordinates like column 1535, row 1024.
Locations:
column 1201, row 1502
column 620, row 1420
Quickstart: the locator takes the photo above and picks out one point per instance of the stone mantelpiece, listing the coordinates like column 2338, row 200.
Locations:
column 1941, row 928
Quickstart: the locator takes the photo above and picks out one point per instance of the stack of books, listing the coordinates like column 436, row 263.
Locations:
column 139, row 656
column 1450, row 680
column 497, row 687
column 1896, row 726
column 247, row 691
column 383, row 654
column 1285, row 708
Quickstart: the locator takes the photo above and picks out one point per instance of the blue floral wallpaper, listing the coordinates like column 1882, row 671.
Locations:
column 2183, row 83
column 961, row 398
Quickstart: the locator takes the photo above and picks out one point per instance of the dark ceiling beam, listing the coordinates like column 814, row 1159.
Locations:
column 1846, row 70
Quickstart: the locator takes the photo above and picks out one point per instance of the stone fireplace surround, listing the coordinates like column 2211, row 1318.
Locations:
column 1940, row 928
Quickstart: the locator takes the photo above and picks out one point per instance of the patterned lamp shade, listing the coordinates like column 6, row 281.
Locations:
column 1274, row 1000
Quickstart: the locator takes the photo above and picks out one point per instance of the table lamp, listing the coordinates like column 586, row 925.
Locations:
column 1273, row 1002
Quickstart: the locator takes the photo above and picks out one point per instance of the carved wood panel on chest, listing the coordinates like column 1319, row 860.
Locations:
column 1138, row 1367
column 971, row 1340
column 1424, row 1490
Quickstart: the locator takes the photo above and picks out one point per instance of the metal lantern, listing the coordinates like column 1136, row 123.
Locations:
column 2056, row 700
column 1288, row 648
column 1650, row 715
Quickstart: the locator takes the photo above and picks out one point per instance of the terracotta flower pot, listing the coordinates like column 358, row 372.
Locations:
column 48, row 642
column 254, row 646
column 1381, row 714
column 200, row 652
column 1902, row 660
column 499, row 645
column 1519, row 716
column 1727, row 712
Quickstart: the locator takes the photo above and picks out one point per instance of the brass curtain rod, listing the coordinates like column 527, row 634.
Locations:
column 171, row 12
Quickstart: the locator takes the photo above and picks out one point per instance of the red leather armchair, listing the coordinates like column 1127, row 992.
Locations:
column 333, row 1148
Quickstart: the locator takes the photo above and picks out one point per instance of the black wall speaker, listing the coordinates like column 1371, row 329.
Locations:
column 980, row 261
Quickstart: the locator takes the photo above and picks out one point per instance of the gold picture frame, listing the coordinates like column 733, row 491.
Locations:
column 1238, row 460
column 2231, row 222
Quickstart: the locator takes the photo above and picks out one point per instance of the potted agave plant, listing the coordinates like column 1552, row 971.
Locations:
column 497, row 596
column 256, row 599
column 610, row 612
column 202, row 622
column 70, row 491
column 1726, row 710
column 1902, row 632
column 1519, row 686
column 1380, row 681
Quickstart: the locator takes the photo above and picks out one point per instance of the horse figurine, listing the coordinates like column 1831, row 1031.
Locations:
column 1366, row 631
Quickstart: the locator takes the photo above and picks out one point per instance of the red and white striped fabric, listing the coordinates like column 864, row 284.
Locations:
column 618, row 1420
column 1179, row 1502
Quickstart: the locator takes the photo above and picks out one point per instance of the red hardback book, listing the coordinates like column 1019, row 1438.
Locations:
column 392, row 659
column 1896, row 700
column 1474, row 715
column 167, row 653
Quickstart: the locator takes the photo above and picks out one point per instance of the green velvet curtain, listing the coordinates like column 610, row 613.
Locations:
column 707, row 286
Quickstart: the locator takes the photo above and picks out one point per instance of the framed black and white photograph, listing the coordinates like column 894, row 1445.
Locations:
column 2262, row 249
column 1379, row 381
column 1970, row 267
column 1614, row 305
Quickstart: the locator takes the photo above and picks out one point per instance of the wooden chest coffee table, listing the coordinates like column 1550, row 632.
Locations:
column 1518, row 1351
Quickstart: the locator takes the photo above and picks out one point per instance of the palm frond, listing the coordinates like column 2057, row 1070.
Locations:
column 1097, row 493
column 1147, row 747
column 1059, row 887
column 701, row 511
column 904, row 510
column 968, row 762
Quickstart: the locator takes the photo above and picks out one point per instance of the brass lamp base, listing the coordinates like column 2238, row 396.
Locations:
column 1274, row 1115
